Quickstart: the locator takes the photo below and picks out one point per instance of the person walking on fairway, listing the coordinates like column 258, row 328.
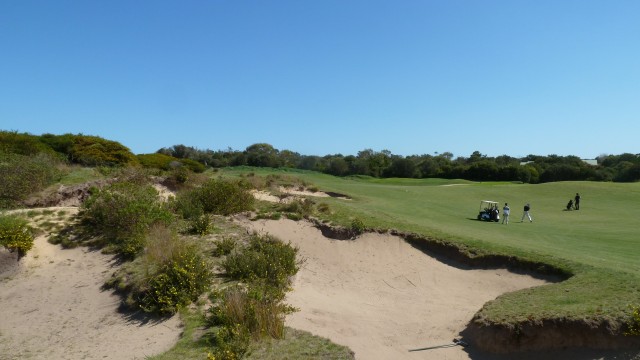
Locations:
column 505, row 214
column 527, row 207
column 576, row 203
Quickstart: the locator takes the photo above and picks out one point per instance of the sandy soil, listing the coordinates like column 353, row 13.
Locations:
column 382, row 297
column 52, row 307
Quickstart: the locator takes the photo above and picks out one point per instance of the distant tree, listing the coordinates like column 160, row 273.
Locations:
column 483, row 170
column 338, row 166
column 288, row 158
column 263, row 155
column 402, row 168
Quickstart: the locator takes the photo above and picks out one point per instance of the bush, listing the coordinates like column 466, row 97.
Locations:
column 224, row 247
column 171, row 273
column 122, row 213
column 200, row 225
column 156, row 161
column 260, row 316
column 255, row 309
column 15, row 235
column 221, row 197
column 187, row 205
column 265, row 260
column 22, row 175
column 96, row 151
column 634, row 322
column 22, row 143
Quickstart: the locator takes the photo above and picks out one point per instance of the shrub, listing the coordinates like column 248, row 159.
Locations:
column 171, row 273
column 255, row 309
column 122, row 213
column 96, row 151
column 634, row 322
column 224, row 247
column 231, row 341
column 223, row 197
column 187, row 205
column 200, row 225
column 15, row 235
column 260, row 316
column 22, row 175
column 156, row 161
column 265, row 260
column 22, row 143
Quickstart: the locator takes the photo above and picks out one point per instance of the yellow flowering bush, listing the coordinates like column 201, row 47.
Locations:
column 634, row 323
column 15, row 235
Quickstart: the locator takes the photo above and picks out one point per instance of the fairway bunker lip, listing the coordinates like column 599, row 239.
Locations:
column 337, row 195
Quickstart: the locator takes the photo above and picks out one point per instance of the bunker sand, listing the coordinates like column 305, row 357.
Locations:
column 52, row 306
column 382, row 297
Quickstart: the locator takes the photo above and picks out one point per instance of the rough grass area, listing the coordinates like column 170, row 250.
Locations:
column 296, row 345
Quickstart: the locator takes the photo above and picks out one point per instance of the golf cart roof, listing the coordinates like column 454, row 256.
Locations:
column 488, row 202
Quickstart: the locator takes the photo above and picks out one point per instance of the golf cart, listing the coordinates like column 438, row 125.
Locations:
column 489, row 211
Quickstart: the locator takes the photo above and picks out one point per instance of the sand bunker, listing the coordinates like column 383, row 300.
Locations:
column 381, row 297
column 52, row 307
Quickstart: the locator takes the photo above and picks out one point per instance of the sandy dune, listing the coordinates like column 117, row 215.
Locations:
column 52, row 307
column 382, row 297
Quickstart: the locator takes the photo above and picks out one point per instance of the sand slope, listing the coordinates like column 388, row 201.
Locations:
column 382, row 297
column 52, row 307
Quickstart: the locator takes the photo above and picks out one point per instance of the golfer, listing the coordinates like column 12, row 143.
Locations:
column 527, row 207
column 505, row 214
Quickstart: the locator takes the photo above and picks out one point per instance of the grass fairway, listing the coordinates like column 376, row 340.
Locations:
column 597, row 244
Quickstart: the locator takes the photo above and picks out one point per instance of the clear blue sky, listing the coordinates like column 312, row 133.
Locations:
column 512, row 77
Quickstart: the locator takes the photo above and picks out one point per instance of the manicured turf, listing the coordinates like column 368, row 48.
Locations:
column 599, row 243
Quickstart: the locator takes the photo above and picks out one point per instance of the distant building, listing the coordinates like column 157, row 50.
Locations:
column 593, row 162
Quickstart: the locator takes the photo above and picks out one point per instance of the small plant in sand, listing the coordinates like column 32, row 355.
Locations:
column 15, row 235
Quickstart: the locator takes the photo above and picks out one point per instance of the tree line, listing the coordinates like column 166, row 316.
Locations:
column 384, row 164
column 96, row 151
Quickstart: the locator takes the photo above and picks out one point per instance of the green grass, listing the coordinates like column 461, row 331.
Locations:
column 194, row 344
column 296, row 345
column 599, row 243
column 80, row 175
